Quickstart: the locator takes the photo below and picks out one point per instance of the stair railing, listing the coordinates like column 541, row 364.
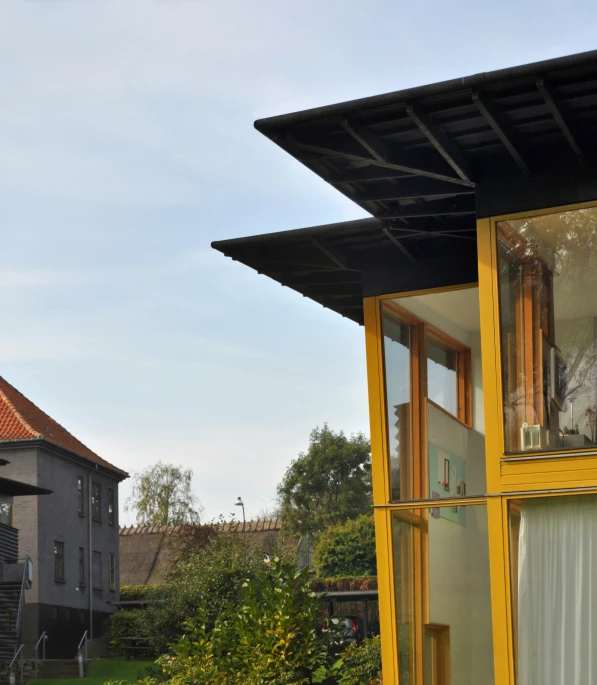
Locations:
column 42, row 640
column 82, row 654
column 11, row 673
column 25, row 583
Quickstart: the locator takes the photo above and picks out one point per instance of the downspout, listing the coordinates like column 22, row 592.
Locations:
column 89, row 515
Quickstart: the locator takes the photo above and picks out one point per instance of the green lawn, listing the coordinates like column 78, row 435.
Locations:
column 101, row 671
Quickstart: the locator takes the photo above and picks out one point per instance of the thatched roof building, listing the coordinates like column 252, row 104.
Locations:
column 148, row 554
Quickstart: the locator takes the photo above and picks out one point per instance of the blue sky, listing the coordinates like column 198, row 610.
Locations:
column 128, row 146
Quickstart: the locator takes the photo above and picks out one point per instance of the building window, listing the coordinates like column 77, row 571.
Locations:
column 55, row 613
column 112, row 563
column 452, row 613
column 548, row 309
column 553, row 584
column 96, row 501
column 6, row 511
column 110, row 507
column 97, row 570
column 82, row 619
column 80, row 496
column 428, row 386
column 67, row 613
column 59, row 562
column 81, row 566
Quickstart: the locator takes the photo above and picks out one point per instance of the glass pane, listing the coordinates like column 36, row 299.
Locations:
column 457, row 642
column 456, row 459
column 404, row 569
column 548, row 316
column 442, row 377
column 6, row 513
column 554, row 589
column 397, row 368
column 459, row 593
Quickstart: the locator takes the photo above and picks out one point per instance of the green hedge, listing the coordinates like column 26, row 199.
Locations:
column 349, row 583
column 346, row 549
column 130, row 593
column 124, row 625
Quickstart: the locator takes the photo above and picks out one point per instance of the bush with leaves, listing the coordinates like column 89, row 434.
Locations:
column 209, row 578
column 124, row 625
column 273, row 636
column 346, row 549
column 361, row 664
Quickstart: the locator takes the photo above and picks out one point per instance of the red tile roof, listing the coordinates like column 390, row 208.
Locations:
column 20, row 419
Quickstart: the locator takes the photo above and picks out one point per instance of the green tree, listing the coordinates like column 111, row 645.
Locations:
column 163, row 496
column 328, row 484
column 346, row 549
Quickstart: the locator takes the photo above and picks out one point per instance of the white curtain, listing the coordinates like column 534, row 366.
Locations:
column 557, row 591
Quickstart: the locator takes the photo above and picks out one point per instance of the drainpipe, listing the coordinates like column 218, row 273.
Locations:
column 89, row 515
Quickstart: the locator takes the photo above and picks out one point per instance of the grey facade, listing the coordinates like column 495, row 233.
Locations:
column 68, row 590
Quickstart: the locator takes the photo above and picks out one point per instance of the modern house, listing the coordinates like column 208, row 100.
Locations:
column 475, row 279
column 71, row 535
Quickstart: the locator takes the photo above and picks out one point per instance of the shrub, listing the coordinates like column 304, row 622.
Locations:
column 361, row 665
column 211, row 579
column 273, row 636
column 344, row 584
column 130, row 593
column 346, row 549
column 125, row 624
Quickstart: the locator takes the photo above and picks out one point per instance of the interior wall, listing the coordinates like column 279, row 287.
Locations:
column 459, row 593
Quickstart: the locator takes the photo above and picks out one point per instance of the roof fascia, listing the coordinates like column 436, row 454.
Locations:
column 270, row 125
column 69, row 456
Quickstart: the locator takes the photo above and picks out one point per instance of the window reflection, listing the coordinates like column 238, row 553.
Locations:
column 397, row 344
column 548, row 318
column 442, row 376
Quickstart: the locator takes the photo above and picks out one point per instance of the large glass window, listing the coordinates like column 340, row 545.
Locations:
column 434, row 403
column 397, row 362
column 450, row 613
column 405, row 575
column 553, row 555
column 548, row 321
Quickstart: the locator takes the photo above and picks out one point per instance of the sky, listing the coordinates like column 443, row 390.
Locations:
column 128, row 147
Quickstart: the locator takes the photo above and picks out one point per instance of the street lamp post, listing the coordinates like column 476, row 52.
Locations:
column 240, row 503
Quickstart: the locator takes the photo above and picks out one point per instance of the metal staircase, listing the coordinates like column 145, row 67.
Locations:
column 10, row 617
column 16, row 580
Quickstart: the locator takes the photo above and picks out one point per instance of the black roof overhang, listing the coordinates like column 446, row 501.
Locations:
column 426, row 162
column 15, row 488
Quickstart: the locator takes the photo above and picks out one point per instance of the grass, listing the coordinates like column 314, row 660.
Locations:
column 102, row 670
